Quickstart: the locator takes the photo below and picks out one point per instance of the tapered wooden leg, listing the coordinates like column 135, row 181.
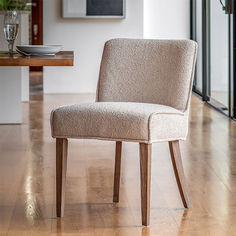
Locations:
column 116, row 187
column 61, row 164
column 179, row 172
column 145, row 171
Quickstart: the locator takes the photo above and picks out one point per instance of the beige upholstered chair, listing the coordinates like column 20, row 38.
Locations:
column 143, row 95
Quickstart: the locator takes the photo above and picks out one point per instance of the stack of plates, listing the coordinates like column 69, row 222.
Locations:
column 38, row 50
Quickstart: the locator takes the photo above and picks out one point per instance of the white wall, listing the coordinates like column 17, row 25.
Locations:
column 166, row 19
column 86, row 38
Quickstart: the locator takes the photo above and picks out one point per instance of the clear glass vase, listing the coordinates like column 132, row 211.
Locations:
column 11, row 25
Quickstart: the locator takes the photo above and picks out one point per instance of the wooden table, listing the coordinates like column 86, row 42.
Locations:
column 10, row 80
column 63, row 58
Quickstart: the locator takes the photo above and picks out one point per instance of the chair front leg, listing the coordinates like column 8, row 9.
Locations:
column 116, row 187
column 179, row 172
column 145, row 174
column 61, row 165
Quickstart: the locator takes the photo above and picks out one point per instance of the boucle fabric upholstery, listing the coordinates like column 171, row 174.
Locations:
column 120, row 121
column 150, row 71
column 143, row 94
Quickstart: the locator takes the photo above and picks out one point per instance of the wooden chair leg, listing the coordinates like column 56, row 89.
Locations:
column 61, row 164
column 116, row 187
column 145, row 174
column 179, row 172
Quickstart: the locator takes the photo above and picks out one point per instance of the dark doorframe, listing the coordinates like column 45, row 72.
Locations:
column 234, row 62
column 206, row 85
column 206, row 60
column 37, row 26
column 205, row 92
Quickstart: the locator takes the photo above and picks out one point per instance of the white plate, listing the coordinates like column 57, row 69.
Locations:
column 39, row 49
column 32, row 54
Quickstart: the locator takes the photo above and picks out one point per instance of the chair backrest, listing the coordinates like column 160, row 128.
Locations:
column 147, row 71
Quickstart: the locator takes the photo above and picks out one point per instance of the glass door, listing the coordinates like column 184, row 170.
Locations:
column 196, row 33
column 212, row 28
column 220, row 56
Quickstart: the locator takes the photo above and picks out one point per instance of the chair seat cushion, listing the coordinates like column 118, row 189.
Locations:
column 127, row 121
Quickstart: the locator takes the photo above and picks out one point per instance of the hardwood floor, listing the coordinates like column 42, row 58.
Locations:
column 28, row 177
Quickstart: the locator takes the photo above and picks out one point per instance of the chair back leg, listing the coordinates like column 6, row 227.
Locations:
column 179, row 172
column 145, row 174
column 61, row 165
column 116, row 187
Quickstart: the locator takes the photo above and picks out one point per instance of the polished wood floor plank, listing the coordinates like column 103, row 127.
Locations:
column 28, row 173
